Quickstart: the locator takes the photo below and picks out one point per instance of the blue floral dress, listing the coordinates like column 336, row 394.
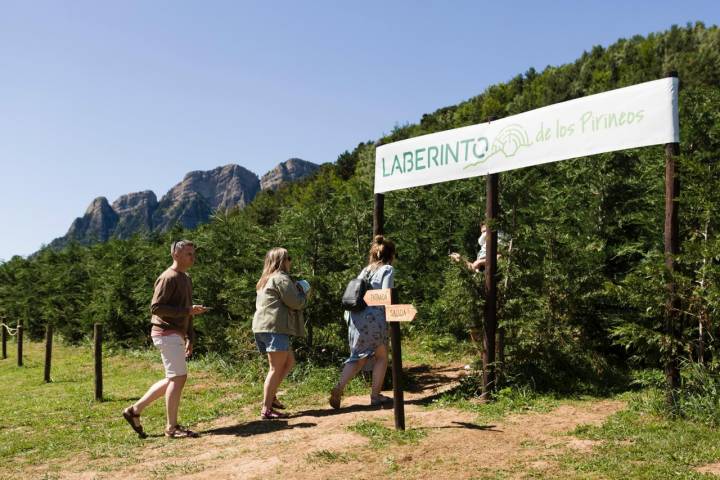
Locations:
column 367, row 329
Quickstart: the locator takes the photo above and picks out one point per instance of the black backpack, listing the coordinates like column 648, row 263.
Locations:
column 352, row 299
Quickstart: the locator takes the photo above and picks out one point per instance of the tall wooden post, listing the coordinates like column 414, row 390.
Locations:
column 398, row 396
column 48, row 351
column 672, row 249
column 19, row 344
column 98, row 363
column 379, row 214
column 491, row 212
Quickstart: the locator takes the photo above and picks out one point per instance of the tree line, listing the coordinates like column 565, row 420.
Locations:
column 582, row 290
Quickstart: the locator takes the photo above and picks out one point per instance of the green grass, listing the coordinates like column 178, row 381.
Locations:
column 641, row 445
column 51, row 425
column 329, row 456
column 380, row 436
column 42, row 423
column 507, row 401
column 434, row 349
column 174, row 469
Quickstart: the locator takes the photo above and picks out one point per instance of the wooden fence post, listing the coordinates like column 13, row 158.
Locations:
column 48, row 351
column 98, row 363
column 19, row 344
column 4, row 342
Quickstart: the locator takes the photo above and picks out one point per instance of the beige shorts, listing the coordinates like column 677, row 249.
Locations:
column 172, row 351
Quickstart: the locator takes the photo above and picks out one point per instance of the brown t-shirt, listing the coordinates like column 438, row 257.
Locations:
column 171, row 305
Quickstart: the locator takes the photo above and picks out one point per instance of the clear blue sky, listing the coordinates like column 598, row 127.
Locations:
column 111, row 97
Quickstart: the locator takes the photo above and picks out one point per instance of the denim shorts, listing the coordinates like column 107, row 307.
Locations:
column 272, row 342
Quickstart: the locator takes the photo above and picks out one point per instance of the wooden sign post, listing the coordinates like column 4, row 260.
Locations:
column 393, row 314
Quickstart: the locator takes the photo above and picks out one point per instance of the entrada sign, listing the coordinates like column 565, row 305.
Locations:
column 380, row 296
column 636, row 116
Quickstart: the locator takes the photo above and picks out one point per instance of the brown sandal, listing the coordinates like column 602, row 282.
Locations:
column 130, row 415
column 178, row 431
column 273, row 415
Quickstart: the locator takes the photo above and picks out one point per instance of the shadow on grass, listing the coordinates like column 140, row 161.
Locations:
column 258, row 427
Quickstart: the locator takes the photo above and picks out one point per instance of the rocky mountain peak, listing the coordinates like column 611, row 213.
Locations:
column 98, row 206
column 189, row 203
column 288, row 171
column 223, row 188
column 98, row 222
column 135, row 212
column 134, row 201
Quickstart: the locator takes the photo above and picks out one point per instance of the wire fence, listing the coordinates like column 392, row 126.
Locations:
column 6, row 330
column 11, row 331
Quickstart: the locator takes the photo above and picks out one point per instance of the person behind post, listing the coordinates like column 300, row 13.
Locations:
column 367, row 329
column 479, row 263
column 278, row 315
column 172, row 333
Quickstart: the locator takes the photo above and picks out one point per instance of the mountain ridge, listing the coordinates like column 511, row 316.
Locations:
column 189, row 203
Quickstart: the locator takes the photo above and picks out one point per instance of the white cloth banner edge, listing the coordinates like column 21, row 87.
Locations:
column 658, row 99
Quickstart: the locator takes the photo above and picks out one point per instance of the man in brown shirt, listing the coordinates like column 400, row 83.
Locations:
column 172, row 332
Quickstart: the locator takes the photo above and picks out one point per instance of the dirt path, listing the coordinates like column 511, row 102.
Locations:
column 315, row 443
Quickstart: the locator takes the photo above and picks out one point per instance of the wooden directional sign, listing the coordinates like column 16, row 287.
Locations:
column 381, row 296
column 400, row 313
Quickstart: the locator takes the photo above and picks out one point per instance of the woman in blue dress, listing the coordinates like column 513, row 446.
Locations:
column 367, row 329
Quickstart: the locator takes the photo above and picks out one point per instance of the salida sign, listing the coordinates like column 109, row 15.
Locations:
column 637, row 116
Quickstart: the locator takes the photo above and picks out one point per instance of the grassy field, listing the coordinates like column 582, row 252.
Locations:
column 58, row 420
column 47, row 423
column 42, row 422
column 639, row 445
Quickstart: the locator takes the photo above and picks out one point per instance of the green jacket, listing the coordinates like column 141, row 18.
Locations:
column 278, row 307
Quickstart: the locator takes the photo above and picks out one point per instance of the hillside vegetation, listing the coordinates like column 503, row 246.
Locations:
column 584, row 295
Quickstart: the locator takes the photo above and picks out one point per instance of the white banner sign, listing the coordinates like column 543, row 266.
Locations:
column 637, row 116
